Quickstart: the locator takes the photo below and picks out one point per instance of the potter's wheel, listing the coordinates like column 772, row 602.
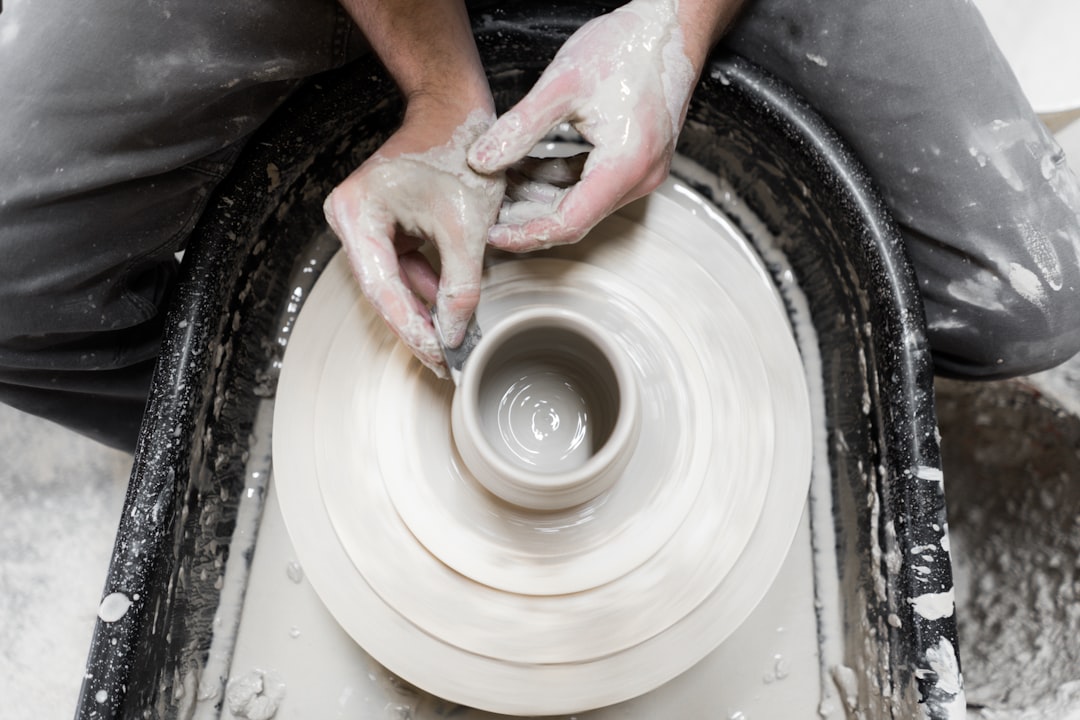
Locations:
column 545, row 612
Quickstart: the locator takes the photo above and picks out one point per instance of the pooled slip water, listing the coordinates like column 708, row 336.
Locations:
column 770, row 665
column 260, row 591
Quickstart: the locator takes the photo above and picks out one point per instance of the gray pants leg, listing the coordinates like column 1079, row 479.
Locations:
column 117, row 120
column 982, row 192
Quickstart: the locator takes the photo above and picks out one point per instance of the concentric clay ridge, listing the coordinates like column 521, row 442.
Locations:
column 607, row 496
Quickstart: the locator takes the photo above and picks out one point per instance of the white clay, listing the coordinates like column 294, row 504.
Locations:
column 113, row 607
column 255, row 695
column 523, row 612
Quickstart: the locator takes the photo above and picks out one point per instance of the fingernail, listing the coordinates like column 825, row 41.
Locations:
column 482, row 154
column 498, row 237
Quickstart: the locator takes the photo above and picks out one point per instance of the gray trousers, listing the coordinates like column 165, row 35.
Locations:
column 119, row 117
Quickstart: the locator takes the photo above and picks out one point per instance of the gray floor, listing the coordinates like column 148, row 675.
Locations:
column 61, row 497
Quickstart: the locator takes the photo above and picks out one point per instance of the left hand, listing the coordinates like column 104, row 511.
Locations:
column 418, row 188
column 623, row 81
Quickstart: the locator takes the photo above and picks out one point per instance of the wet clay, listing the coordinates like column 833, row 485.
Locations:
column 547, row 409
column 433, row 196
column 504, row 608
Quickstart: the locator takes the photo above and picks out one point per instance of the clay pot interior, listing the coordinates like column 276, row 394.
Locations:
column 546, row 412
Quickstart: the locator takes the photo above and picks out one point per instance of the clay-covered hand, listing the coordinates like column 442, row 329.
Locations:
column 418, row 188
column 623, row 82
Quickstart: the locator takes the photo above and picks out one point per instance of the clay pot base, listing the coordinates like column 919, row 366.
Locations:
column 545, row 612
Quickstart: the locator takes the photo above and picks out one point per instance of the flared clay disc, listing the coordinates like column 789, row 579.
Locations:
column 521, row 611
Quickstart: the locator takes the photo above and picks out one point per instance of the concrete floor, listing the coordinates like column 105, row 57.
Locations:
column 61, row 497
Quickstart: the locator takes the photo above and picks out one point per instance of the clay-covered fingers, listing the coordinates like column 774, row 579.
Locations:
column 623, row 81
column 366, row 229
column 419, row 275
column 561, row 172
column 535, row 186
column 461, row 256
column 566, row 214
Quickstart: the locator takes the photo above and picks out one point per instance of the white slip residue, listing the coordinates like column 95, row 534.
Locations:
column 944, row 666
column 1027, row 284
column 1047, row 167
column 235, row 576
column 942, row 661
column 273, row 176
column 294, row 571
column 778, row 671
column 1043, row 252
column 934, row 606
column 256, row 695
column 831, row 630
column 847, row 683
column 981, row 288
column 946, row 323
column 893, row 559
column 113, row 607
column 930, row 474
column 678, row 74
column 979, row 157
column 991, row 144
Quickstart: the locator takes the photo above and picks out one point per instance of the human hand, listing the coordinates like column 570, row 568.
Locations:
column 417, row 188
column 623, row 81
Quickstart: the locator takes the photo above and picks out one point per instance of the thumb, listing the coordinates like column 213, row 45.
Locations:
column 461, row 252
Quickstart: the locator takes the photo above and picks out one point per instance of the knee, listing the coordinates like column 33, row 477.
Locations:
column 1001, row 325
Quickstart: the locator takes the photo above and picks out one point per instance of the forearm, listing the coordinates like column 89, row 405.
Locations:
column 427, row 47
column 703, row 23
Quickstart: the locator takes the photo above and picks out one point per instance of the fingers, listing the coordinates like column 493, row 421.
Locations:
column 558, row 171
column 456, row 304
column 514, row 134
column 419, row 275
column 461, row 254
column 603, row 188
column 367, row 239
